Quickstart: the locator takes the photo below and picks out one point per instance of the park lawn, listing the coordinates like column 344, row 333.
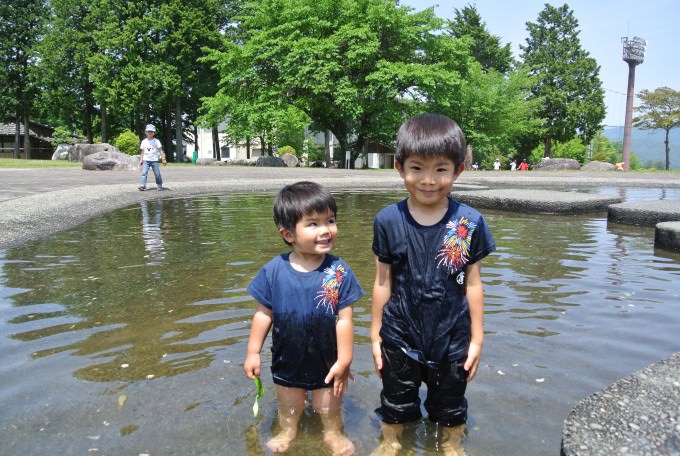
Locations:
column 21, row 163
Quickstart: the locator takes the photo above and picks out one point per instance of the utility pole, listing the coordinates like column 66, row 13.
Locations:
column 633, row 55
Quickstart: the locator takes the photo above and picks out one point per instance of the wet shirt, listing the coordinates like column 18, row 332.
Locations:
column 305, row 309
column 427, row 314
column 151, row 149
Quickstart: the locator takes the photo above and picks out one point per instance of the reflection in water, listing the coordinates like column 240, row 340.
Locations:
column 128, row 333
column 151, row 232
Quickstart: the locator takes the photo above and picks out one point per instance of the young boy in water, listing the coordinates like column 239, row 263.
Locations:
column 307, row 295
column 427, row 305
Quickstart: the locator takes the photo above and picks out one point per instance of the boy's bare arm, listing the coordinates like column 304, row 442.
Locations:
column 382, row 290
column 262, row 322
column 340, row 371
column 474, row 291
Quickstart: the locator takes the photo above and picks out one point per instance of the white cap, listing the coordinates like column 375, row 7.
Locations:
column 150, row 127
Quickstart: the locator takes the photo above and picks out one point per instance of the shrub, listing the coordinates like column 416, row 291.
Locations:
column 286, row 150
column 62, row 135
column 128, row 143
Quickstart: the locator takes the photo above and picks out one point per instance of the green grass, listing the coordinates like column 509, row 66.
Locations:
column 21, row 163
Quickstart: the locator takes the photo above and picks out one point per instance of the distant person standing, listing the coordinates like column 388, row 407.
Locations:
column 497, row 165
column 524, row 166
column 151, row 151
column 513, row 165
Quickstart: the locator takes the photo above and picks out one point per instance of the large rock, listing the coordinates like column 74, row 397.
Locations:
column 598, row 166
column 110, row 160
column 290, row 160
column 557, row 164
column 79, row 151
column 62, row 152
column 205, row 161
column 270, row 161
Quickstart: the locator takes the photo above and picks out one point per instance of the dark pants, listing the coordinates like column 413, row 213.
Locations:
column 402, row 376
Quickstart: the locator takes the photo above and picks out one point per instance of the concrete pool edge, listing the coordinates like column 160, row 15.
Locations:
column 638, row 414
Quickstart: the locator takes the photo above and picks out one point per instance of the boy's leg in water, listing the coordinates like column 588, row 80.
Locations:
column 400, row 402
column 292, row 403
column 452, row 440
column 329, row 409
column 391, row 434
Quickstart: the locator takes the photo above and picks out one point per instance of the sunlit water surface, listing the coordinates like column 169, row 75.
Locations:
column 126, row 335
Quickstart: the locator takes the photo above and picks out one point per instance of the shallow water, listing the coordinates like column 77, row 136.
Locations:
column 126, row 335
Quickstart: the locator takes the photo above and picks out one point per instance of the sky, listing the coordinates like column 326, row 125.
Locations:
column 602, row 24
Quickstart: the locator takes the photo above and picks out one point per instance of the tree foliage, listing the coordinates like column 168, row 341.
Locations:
column 660, row 109
column 485, row 47
column 20, row 29
column 566, row 87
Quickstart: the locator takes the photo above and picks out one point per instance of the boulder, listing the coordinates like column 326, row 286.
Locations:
column 598, row 166
column 78, row 152
column 62, row 152
column 290, row 160
column 270, row 161
column 205, row 161
column 110, row 160
column 557, row 164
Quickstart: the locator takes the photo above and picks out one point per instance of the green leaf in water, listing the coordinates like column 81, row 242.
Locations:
column 260, row 392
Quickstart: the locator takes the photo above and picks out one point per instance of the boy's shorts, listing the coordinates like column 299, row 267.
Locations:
column 400, row 401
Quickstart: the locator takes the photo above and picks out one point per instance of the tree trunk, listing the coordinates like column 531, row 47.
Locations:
column 27, row 136
column 105, row 125
column 668, row 150
column 17, row 137
column 547, row 144
column 179, row 148
column 262, row 146
column 248, row 147
column 216, row 142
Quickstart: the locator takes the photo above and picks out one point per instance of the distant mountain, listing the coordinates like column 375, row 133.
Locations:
column 648, row 145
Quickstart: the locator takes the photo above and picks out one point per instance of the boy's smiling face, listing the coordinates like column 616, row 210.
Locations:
column 428, row 179
column 314, row 235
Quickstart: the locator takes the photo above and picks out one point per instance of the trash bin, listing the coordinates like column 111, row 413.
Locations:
column 195, row 156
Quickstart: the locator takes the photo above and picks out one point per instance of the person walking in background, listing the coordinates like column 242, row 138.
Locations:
column 428, row 302
column 307, row 296
column 513, row 165
column 497, row 165
column 151, row 151
column 524, row 166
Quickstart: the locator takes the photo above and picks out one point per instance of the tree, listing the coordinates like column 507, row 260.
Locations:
column 567, row 88
column 485, row 47
column 351, row 66
column 67, row 96
column 661, row 110
column 20, row 30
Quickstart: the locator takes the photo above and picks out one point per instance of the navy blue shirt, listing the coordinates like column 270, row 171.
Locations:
column 427, row 314
column 305, row 309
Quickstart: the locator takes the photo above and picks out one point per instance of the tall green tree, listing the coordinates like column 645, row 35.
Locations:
column 67, row 94
column 148, row 67
column 485, row 47
column 567, row 89
column 660, row 110
column 20, row 30
column 351, row 66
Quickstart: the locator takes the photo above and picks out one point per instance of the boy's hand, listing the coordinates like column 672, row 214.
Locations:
column 376, row 348
column 251, row 366
column 340, row 377
column 472, row 361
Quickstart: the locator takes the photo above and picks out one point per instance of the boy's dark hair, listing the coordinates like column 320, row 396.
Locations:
column 431, row 135
column 299, row 199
